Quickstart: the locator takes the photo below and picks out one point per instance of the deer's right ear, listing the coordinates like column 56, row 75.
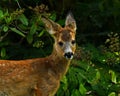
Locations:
column 50, row 25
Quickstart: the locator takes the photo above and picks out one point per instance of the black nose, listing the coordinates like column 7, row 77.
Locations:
column 69, row 55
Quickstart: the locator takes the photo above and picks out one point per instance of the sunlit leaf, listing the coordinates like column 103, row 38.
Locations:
column 8, row 19
column 82, row 89
column 5, row 28
column 41, row 33
column 23, row 19
column 64, row 80
column 113, row 76
column 18, row 32
column 75, row 93
column 97, row 75
column 112, row 94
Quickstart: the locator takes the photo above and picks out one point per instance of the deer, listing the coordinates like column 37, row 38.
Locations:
column 41, row 76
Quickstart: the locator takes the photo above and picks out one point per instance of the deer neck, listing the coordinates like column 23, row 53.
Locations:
column 59, row 65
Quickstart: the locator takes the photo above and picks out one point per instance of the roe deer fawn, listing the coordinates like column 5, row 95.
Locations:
column 40, row 76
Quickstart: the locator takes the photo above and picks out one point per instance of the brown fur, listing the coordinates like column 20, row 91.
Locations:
column 35, row 77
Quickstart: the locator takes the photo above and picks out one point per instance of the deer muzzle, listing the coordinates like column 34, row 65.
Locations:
column 68, row 55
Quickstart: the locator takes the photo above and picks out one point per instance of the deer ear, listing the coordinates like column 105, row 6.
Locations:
column 70, row 22
column 50, row 25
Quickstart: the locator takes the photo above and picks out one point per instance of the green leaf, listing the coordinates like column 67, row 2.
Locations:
column 33, row 29
column 75, row 92
column 113, row 76
column 23, row 19
column 112, row 94
column 30, row 38
column 97, row 75
column 82, row 89
column 1, row 14
column 53, row 16
column 18, row 32
column 8, row 19
column 3, row 52
column 41, row 33
column 5, row 28
column 64, row 80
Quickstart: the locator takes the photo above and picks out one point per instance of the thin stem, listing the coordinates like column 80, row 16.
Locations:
column 18, row 4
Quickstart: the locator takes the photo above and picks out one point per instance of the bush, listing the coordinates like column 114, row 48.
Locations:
column 18, row 30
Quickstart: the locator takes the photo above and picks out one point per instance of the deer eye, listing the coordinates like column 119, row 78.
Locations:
column 73, row 42
column 60, row 43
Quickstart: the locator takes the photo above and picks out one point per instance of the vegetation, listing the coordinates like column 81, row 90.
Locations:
column 95, row 70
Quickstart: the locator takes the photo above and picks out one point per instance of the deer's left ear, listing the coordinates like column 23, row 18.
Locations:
column 70, row 22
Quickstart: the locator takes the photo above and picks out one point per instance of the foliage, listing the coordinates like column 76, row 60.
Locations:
column 91, row 75
column 89, row 80
column 16, row 30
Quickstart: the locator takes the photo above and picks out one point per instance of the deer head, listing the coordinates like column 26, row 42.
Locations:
column 64, row 37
